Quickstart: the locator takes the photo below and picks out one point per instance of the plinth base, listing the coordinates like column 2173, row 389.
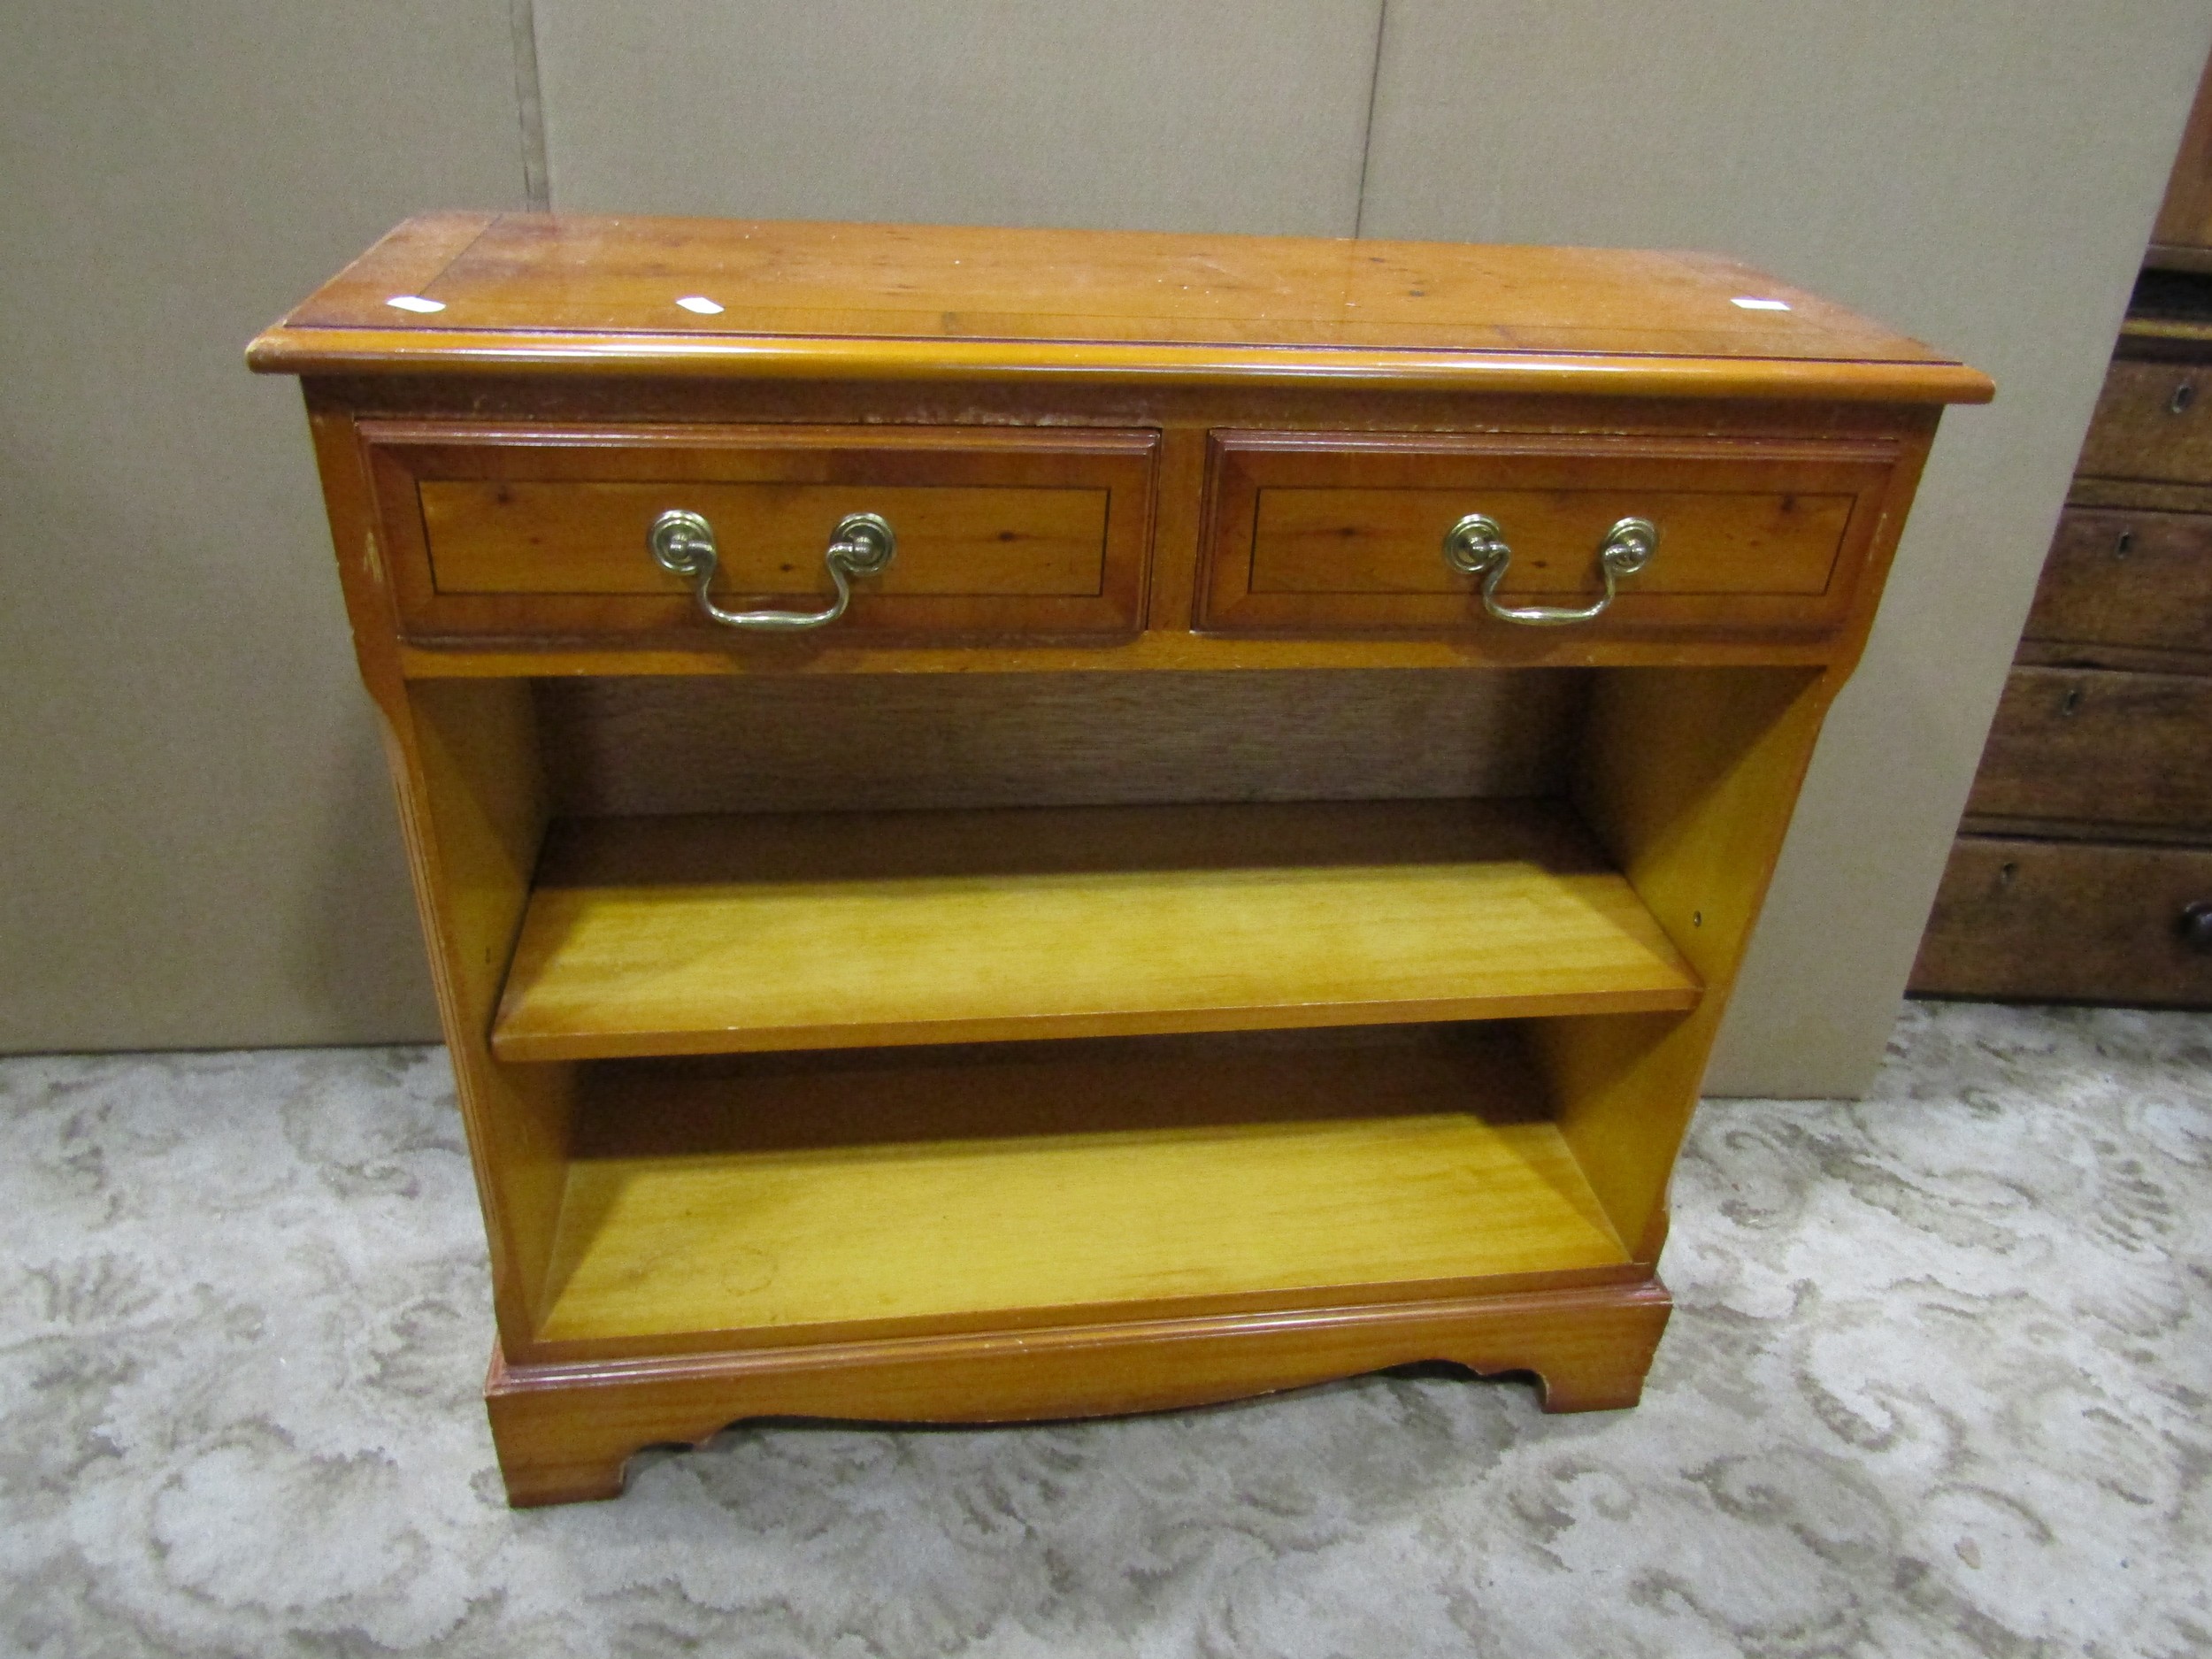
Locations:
column 567, row 1432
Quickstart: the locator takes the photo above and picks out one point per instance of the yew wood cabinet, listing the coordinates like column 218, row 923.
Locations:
column 1020, row 823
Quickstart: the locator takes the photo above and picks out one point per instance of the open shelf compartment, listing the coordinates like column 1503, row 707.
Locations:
column 781, row 1198
column 736, row 933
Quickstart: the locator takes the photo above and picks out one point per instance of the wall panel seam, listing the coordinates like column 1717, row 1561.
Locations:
column 537, row 184
column 1367, row 130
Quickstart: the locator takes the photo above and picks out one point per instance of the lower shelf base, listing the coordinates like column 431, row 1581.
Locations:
column 566, row 1433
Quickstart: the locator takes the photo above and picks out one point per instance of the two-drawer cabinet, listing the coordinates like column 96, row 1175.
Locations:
column 1014, row 825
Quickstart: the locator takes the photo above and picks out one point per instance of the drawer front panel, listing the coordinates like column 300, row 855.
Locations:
column 1327, row 532
column 544, row 532
column 2153, row 420
column 2097, row 745
column 2083, row 921
column 493, row 538
column 2116, row 577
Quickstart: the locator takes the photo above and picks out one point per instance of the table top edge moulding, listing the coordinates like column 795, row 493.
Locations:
column 1018, row 824
column 954, row 303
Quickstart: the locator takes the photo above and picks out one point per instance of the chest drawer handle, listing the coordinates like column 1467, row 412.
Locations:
column 683, row 542
column 2194, row 925
column 1476, row 547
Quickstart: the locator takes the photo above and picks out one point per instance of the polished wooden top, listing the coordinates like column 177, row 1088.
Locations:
column 499, row 293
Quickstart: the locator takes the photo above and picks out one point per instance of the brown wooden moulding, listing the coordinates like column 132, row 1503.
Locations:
column 2127, row 749
column 569, row 1434
column 577, row 296
column 2070, row 921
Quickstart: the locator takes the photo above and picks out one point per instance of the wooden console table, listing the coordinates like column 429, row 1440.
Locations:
column 1204, row 849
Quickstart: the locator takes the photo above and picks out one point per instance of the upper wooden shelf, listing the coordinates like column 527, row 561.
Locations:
column 486, row 293
column 700, row 935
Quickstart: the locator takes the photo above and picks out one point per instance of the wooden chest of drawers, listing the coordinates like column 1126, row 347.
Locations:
column 1021, row 824
column 2082, row 869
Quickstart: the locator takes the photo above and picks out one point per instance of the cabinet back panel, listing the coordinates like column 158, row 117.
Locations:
column 623, row 747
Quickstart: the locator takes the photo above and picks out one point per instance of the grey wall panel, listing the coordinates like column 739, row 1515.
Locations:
column 1153, row 114
column 1983, row 175
column 196, row 833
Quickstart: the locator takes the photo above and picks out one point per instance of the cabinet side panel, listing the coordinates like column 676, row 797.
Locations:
column 473, row 794
column 465, row 765
column 1689, row 777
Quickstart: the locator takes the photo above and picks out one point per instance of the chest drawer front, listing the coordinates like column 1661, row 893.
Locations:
column 545, row 532
column 2099, row 746
column 1329, row 532
column 2116, row 577
column 2070, row 920
column 2154, row 421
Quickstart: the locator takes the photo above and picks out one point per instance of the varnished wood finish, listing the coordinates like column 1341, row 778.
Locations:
column 2075, row 857
column 2182, row 237
column 487, row 538
column 835, row 1197
column 2067, row 921
column 542, row 531
column 2154, row 421
column 2132, row 495
column 472, row 809
column 578, row 297
column 2089, row 743
column 2129, row 579
column 1689, row 776
column 566, row 1433
column 1184, row 417
column 1320, row 532
column 1080, row 1224
column 482, row 802
column 691, row 936
column 817, row 743
column 1495, row 645
column 2186, row 833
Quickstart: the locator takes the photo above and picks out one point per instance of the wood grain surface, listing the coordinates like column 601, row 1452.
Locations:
column 698, row 935
column 770, row 743
column 492, row 635
column 1687, row 776
column 503, row 538
column 581, row 296
column 2094, row 743
column 2127, row 577
column 543, row 529
column 2151, row 422
column 1247, row 1160
column 2183, row 226
column 1364, row 541
column 567, row 1432
column 1313, row 531
column 834, row 1196
column 2057, row 921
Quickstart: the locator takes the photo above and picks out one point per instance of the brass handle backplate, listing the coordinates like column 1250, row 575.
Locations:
column 1476, row 546
column 683, row 543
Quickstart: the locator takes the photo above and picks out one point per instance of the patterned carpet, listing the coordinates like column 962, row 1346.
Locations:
column 1938, row 1384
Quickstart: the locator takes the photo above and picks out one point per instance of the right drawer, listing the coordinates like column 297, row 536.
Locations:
column 1336, row 532
column 2097, row 745
column 2072, row 921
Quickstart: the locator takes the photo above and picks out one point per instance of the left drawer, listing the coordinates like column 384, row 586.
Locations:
column 545, row 531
